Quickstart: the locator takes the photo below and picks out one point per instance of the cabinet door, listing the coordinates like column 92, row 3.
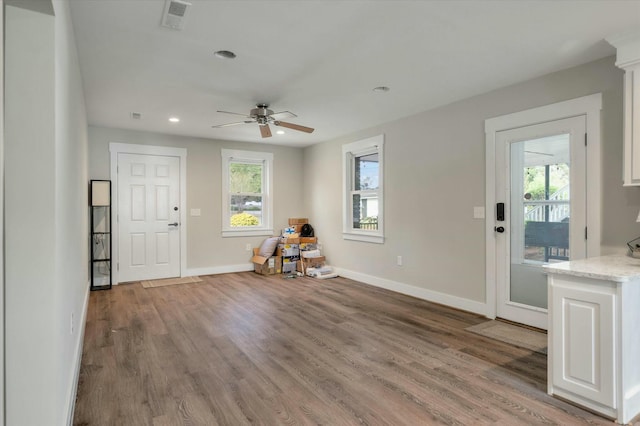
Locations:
column 583, row 341
column 632, row 125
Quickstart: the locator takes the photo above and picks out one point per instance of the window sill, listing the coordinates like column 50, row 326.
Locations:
column 246, row 233
column 378, row 239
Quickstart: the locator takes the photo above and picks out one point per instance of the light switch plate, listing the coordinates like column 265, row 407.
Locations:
column 478, row 212
column 195, row 212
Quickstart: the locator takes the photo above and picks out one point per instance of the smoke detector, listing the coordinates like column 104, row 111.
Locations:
column 175, row 14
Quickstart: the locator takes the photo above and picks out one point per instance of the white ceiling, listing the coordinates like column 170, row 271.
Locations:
column 321, row 59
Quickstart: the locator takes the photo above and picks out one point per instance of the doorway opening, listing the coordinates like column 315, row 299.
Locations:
column 538, row 170
column 164, row 201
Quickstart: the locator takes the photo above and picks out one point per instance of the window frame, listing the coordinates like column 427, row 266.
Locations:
column 230, row 156
column 350, row 151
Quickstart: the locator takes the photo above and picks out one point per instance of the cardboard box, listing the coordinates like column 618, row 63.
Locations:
column 309, row 240
column 308, row 246
column 287, row 240
column 313, row 262
column 311, row 253
column 266, row 265
column 298, row 221
column 289, row 265
column 289, row 250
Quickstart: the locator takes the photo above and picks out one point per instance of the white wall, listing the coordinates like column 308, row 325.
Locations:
column 2, row 364
column 71, row 208
column 46, row 224
column 435, row 175
column 207, row 251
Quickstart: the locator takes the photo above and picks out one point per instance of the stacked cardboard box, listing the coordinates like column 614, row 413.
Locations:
column 290, row 249
column 290, row 245
column 309, row 254
column 308, row 247
column 297, row 222
column 267, row 265
column 293, row 253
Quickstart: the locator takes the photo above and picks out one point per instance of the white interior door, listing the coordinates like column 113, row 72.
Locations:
column 541, row 183
column 148, row 217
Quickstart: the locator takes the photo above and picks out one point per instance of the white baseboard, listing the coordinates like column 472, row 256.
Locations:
column 71, row 403
column 420, row 293
column 214, row 270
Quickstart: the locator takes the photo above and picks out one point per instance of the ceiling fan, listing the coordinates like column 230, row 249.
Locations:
column 262, row 115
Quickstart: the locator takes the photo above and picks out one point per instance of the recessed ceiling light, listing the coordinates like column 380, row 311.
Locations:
column 381, row 89
column 280, row 132
column 224, row 54
column 174, row 119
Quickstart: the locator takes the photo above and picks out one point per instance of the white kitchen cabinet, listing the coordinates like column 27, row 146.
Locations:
column 594, row 334
column 628, row 58
column 582, row 359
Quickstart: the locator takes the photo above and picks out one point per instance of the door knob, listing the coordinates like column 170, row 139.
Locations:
column 173, row 224
column 499, row 229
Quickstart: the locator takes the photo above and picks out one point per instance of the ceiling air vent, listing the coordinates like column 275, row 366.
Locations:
column 175, row 13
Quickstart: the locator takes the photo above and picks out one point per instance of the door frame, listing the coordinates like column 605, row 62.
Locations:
column 116, row 148
column 589, row 106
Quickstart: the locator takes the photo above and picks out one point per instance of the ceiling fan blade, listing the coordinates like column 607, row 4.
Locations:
column 232, row 124
column 234, row 113
column 282, row 114
column 265, row 131
column 293, row 126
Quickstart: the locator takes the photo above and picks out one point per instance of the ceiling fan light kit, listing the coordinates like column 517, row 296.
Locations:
column 263, row 116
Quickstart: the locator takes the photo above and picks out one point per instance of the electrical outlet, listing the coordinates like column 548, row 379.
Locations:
column 399, row 260
column 248, row 247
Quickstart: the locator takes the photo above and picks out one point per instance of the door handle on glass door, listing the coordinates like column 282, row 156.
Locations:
column 173, row 224
column 499, row 229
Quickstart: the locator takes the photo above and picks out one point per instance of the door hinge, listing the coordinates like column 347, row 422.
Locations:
column 585, row 139
column 118, row 266
column 585, row 232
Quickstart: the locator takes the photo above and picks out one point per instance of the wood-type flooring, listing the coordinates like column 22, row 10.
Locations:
column 247, row 349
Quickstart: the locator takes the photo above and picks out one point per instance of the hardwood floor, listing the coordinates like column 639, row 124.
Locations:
column 243, row 348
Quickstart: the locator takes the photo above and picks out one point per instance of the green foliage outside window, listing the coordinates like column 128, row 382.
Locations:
column 244, row 219
column 534, row 180
column 245, row 178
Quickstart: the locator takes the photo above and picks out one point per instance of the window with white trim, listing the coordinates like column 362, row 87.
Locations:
column 362, row 179
column 247, row 203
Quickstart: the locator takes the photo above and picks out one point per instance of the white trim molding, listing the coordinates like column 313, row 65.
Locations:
column 116, row 148
column 417, row 292
column 588, row 106
column 71, row 398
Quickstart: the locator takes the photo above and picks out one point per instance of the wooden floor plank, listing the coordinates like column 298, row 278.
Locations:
column 248, row 349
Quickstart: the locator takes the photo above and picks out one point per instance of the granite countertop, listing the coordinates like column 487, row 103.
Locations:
column 618, row 268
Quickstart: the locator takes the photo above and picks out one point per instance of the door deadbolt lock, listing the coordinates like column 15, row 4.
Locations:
column 499, row 229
